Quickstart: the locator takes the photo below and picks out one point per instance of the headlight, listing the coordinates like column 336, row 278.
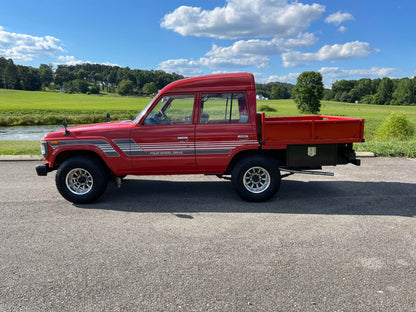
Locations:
column 44, row 148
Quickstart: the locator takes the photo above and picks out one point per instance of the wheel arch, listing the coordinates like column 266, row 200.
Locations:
column 64, row 155
column 278, row 155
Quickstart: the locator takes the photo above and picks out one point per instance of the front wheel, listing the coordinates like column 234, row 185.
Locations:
column 256, row 178
column 81, row 179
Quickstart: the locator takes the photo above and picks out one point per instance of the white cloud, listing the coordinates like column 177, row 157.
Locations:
column 336, row 52
column 244, row 18
column 68, row 60
column 262, row 47
column 181, row 66
column 110, row 64
column 336, row 72
column 191, row 67
column 71, row 60
column 342, row 29
column 289, row 78
column 241, row 54
column 330, row 74
column 245, row 61
column 338, row 18
column 22, row 47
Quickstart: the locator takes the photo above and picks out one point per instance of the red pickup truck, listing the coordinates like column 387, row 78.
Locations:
column 203, row 125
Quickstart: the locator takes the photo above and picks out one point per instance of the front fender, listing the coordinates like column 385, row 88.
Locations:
column 100, row 147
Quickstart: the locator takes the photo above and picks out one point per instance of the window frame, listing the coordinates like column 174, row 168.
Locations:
column 172, row 95
column 229, row 120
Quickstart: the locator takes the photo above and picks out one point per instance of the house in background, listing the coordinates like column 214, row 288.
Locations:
column 260, row 97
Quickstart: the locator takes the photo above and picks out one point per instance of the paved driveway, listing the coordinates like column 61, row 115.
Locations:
column 188, row 243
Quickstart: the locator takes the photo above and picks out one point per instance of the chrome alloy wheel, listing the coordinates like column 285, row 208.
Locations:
column 256, row 179
column 79, row 181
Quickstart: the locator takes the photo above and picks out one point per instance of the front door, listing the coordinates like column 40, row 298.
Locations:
column 165, row 141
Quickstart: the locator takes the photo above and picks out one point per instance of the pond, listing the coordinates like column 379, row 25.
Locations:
column 26, row 133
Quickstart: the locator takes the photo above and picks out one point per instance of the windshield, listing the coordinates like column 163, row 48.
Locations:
column 144, row 110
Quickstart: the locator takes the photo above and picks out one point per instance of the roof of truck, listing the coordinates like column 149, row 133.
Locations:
column 219, row 82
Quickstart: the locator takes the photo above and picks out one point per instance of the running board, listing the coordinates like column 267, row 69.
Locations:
column 331, row 174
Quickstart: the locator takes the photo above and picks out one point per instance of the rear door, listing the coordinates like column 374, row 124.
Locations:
column 222, row 130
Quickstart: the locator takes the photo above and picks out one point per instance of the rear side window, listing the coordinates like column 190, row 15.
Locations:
column 224, row 108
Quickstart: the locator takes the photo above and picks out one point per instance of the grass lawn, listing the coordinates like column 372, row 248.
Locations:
column 20, row 148
column 46, row 108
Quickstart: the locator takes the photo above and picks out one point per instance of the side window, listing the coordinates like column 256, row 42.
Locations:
column 224, row 108
column 171, row 110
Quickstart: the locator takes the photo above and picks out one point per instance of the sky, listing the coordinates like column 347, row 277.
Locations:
column 276, row 40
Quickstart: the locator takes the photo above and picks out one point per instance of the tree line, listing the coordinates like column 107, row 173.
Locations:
column 275, row 90
column 94, row 78
column 83, row 78
column 383, row 91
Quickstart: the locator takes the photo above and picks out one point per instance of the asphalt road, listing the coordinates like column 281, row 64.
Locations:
column 188, row 243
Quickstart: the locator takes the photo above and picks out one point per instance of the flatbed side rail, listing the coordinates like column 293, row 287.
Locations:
column 312, row 130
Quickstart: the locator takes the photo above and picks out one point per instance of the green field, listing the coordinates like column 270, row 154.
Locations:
column 19, row 148
column 43, row 108
column 47, row 108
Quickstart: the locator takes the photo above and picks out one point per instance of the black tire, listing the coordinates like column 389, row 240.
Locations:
column 81, row 179
column 256, row 178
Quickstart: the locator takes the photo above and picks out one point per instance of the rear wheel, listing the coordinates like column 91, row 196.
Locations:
column 256, row 178
column 81, row 179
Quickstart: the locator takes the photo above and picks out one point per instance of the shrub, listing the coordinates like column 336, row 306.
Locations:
column 367, row 99
column 266, row 108
column 396, row 126
column 94, row 90
column 125, row 87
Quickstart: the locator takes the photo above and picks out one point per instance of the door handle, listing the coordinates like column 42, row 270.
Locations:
column 242, row 136
column 183, row 138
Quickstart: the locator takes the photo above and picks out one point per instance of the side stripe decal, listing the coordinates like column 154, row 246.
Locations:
column 131, row 148
column 107, row 149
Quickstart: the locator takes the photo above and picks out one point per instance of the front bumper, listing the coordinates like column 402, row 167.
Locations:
column 42, row 170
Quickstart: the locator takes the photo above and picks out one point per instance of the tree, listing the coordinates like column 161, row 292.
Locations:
column 367, row 99
column 341, row 88
column 11, row 76
column 76, row 86
column 125, row 87
column 364, row 87
column 64, row 74
column 308, row 92
column 29, row 78
column 328, row 95
column 404, row 93
column 385, row 91
column 45, row 74
column 149, row 88
column 275, row 94
column 279, row 91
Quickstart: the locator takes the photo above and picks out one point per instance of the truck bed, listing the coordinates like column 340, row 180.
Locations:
column 276, row 132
